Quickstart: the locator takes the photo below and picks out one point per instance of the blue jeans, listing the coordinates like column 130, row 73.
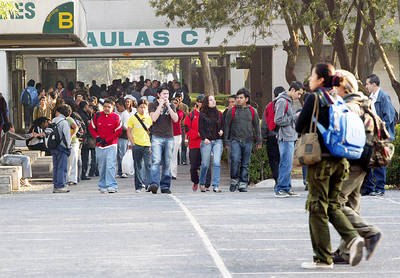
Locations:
column 240, row 160
column 215, row 147
column 377, row 185
column 106, row 159
column 286, row 151
column 122, row 147
column 304, row 170
column 60, row 166
column 142, row 162
column 161, row 155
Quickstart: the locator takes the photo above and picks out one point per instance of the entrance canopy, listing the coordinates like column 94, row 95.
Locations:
column 44, row 23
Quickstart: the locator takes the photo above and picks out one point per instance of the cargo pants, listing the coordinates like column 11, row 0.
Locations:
column 325, row 184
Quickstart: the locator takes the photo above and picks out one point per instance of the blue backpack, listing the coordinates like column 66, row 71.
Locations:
column 345, row 136
column 26, row 99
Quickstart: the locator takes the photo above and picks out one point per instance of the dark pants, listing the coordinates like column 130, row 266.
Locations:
column 375, row 182
column 28, row 116
column 60, row 166
column 142, row 163
column 183, row 148
column 85, row 160
column 195, row 163
column 240, row 160
column 94, row 171
column 273, row 156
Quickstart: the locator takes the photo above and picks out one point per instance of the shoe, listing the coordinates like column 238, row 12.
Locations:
column 232, row 188
column 71, row 183
column 306, row 187
column 314, row 265
column 166, row 191
column 207, row 188
column 217, row 190
column 112, row 190
column 195, row 186
column 338, row 259
column 91, row 175
column 379, row 194
column 356, row 251
column 85, row 178
column 281, row 194
column 138, row 190
column 64, row 189
column 244, row 189
column 103, row 190
column 117, row 176
column 184, row 163
column 292, row 193
column 371, row 243
column 174, row 178
column 153, row 188
column 124, row 176
column 202, row 188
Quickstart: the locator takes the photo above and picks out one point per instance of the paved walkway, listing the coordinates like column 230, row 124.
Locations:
column 186, row 234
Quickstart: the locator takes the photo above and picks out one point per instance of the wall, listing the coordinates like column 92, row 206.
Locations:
column 4, row 89
column 31, row 65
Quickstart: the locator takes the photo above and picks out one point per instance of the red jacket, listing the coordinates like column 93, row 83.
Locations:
column 108, row 127
column 192, row 129
column 177, row 126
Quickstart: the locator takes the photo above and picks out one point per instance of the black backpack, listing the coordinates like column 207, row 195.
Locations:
column 53, row 138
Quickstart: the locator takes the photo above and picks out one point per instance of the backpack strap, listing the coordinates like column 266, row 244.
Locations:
column 141, row 122
column 220, row 118
column 252, row 112
column 233, row 113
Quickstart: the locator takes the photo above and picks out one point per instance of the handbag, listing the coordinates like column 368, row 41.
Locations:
column 308, row 150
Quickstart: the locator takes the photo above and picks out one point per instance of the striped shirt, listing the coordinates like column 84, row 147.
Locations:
column 8, row 141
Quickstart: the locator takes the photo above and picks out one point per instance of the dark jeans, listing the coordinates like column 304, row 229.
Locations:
column 273, row 156
column 183, row 148
column 60, row 166
column 142, row 163
column 85, row 160
column 195, row 163
column 375, row 182
column 240, row 160
column 94, row 170
column 28, row 116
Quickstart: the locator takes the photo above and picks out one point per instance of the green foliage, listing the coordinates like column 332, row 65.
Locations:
column 259, row 168
column 8, row 8
column 393, row 170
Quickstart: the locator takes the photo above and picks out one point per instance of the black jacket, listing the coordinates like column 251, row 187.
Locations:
column 88, row 141
column 210, row 123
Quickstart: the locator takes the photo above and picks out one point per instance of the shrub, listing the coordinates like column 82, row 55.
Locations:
column 393, row 170
column 259, row 169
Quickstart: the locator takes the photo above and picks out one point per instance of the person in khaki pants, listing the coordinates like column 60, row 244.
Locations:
column 350, row 195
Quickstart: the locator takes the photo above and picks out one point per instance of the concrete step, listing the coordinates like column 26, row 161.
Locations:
column 43, row 167
column 5, row 184
column 16, row 174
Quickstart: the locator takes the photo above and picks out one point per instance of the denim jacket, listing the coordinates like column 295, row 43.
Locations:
column 385, row 110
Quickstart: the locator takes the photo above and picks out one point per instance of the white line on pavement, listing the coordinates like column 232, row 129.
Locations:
column 213, row 252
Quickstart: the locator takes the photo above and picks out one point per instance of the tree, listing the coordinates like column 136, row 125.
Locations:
column 207, row 79
column 7, row 9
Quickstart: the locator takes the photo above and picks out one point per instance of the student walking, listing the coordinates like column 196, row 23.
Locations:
column 122, row 145
column 210, row 129
column 325, row 179
column 177, row 139
column 106, row 127
column 242, row 129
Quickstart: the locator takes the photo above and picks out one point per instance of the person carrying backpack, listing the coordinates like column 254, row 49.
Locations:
column 326, row 178
column 62, row 151
column 285, row 120
column 350, row 196
column 28, row 99
column 242, row 129
column 270, row 135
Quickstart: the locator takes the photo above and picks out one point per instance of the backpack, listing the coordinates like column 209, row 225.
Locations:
column 26, row 99
column 345, row 136
column 81, row 125
column 53, row 138
column 378, row 151
column 251, row 109
column 270, row 114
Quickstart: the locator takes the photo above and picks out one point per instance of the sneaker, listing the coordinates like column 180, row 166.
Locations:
column 306, row 186
column 292, row 193
column 64, row 189
column 173, row 178
column 202, row 188
column 71, row 183
column 314, row 265
column 281, row 194
column 244, row 189
column 112, row 190
column 338, row 259
column 153, row 189
column 85, row 178
column 379, row 194
column 103, row 190
column 195, row 186
column 356, row 251
column 138, row 190
column 166, row 191
column 124, row 176
column 232, row 188
column 371, row 243
column 117, row 176
column 217, row 190
column 207, row 188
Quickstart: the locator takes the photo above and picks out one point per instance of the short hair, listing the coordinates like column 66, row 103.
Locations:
column 244, row 92
column 178, row 95
column 31, row 83
column 42, row 97
column 143, row 101
column 147, row 80
column 296, row 85
column 121, row 102
column 278, row 90
column 178, row 83
column 162, row 88
column 59, row 82
column 64, row 109
column 7, row 126
column 94, row 82
column 232, row 96
column 109, row 101
column 373, row 78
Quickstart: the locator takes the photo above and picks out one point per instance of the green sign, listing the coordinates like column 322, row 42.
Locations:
column 60, row 20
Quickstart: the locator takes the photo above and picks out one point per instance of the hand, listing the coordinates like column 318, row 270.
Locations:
column 103, row 143
column 259, row 147
column 150, row 150
column 98, row 139
column 41, row 134
column 206, row 141
column 186, row 143
column 220, row 132
column 133, row 143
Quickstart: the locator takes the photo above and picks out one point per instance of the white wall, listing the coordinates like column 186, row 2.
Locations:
column 4, row 89
column 31, row 65
column 279, row 57
column 237, row 76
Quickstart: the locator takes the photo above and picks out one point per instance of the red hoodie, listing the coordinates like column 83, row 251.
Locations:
column 192, row 130
column 108, row 127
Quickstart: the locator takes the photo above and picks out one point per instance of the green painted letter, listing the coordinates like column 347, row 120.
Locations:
column 161, row 38
column 91, row 39
column 113, row 39
column 185, row 40
column 142, row 38
column 29, row 10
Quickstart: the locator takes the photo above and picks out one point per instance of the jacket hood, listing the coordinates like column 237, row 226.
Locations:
column 284, row 95
column 359, row 96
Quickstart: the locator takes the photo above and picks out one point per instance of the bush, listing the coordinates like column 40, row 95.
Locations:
column 393, row 170
column 259, row 169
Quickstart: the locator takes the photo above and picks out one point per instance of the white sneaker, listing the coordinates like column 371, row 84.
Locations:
column 117, row 176
column 138, row 190
column 356, row 251
column 314, row 265
column 124, row 175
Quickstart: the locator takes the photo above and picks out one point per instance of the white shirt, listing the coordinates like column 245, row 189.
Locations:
column 373, row 97
column 124, row 116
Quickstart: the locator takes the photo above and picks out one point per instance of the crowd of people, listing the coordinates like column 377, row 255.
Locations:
column 156, row 121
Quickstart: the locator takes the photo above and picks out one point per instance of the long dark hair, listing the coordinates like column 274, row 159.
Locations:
column 204, row 107
column 327, row 72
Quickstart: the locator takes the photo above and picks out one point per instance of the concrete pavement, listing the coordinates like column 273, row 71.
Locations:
column 189, row 234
